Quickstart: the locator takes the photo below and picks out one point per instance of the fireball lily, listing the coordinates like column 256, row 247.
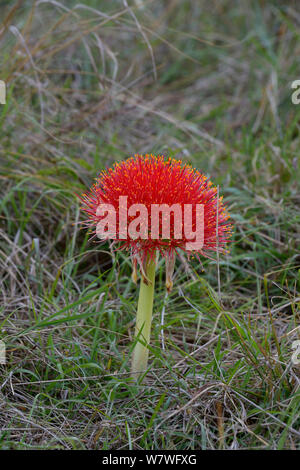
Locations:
column 179, row 209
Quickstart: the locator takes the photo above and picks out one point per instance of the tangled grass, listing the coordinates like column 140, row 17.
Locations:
column 88, row 85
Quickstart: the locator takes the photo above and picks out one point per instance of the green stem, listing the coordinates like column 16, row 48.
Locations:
column 143, row 321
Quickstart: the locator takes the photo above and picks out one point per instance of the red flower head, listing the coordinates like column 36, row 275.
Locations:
column 174, row 197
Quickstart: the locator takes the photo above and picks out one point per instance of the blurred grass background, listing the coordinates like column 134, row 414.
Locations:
column 94, row 82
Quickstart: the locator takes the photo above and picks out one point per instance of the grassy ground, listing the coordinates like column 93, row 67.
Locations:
column 208, row 82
